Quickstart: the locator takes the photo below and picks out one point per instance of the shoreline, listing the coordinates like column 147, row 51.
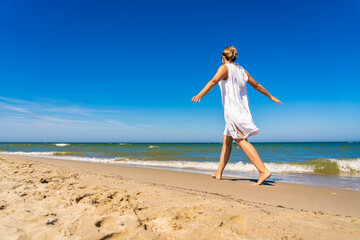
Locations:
column 227, row 186
column 42, row 198
column 303, row 173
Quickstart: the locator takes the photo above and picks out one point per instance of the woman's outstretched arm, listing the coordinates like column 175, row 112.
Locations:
column 221, row 73
column 261, row 89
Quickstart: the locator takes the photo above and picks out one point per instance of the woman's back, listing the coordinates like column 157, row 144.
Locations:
column 233, row 89
column 236, row 104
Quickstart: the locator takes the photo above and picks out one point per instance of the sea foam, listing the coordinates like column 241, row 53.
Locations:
column 349, row 165
column 36, row 154
column 61, row 144
column 337, row 165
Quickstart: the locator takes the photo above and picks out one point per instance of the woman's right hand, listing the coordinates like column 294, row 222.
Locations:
column 196, row 98
column 276, row 100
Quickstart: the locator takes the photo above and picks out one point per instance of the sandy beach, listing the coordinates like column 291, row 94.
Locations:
column 43, row 198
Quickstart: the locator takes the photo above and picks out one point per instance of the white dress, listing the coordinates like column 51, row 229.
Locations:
column 236, row 103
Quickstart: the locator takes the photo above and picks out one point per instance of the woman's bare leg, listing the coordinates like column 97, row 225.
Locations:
column 254, row 157
column 225, row 156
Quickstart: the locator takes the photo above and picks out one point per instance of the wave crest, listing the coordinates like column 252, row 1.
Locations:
column 39, row 154
column 321, row 166
column 61, row 144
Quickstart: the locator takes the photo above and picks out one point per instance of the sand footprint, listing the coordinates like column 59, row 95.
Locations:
column 115, row 235
column 105, row 222
column 82, row 196
column 238, row 224
column 3, row 204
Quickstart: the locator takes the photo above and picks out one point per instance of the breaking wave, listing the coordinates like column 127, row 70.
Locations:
column 61, row 144
column 320, row 166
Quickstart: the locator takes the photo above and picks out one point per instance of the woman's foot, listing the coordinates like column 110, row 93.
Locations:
column 263, row 176
column 217, row 176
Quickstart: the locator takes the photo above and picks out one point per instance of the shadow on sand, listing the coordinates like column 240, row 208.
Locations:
column 266, row 182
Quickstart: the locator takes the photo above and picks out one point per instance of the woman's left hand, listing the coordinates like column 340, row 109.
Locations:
column 197, row 98
column 276, row 100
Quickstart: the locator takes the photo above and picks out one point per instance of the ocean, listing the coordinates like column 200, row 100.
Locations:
column 334, row 164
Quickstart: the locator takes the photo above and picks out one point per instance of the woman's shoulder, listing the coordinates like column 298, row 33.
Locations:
column 223, row 67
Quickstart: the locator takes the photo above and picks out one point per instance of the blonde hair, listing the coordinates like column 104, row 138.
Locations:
column 230, row 53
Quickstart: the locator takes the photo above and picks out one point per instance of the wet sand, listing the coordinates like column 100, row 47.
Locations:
column 43, row 198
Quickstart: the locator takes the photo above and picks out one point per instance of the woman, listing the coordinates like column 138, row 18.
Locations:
column 239, row 124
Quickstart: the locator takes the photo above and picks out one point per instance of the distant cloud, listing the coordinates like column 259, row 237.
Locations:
column 41, row 114
column 16, row 109
column 13, row 100
column 24, row 106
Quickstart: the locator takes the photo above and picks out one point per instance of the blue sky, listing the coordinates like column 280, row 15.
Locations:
column 127, row 70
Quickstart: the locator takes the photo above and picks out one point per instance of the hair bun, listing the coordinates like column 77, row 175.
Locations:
column 230, row 53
